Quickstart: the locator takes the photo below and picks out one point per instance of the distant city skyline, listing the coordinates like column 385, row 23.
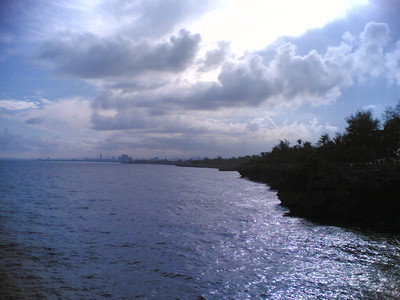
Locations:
column 181, row 79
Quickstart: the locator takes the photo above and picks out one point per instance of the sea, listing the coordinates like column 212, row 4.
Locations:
column 97, row 230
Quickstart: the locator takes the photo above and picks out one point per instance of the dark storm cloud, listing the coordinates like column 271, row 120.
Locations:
column 89, row 56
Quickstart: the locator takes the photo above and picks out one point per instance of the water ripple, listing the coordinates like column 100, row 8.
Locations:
column 111, row 231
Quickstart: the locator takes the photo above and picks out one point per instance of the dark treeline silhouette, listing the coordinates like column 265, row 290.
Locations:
column 223, row 164
column 364, row 141
column 354, row 176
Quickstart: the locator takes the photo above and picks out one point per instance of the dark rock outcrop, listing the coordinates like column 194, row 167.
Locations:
column 367, row 195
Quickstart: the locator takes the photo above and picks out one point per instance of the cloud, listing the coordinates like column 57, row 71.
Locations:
column 12, row 104
column 86, row 55
column 34, row 121
column 392, row 63
column 29, row 145
column 133, row 72
column 161, row 89
column 57, row 129
column 152, row 18
column 369, row 58
column 189, row 136
column 280, row 78
column 66, row 117
column 215, row 57
column 39, row 20
column 292, row 78
column 127, row 119
column 157, row 96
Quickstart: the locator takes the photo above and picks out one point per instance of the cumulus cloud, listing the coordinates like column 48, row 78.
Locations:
column 281, row 78
column 131, row 75
column 369, row 59
column 135, row 70
column 152, row 95
column 86, row 55
column 215, row 57
column 392, row 61
column 313, row 74
column 314, row 77
column 164, row 89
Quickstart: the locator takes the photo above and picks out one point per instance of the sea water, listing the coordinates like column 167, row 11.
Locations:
column 80, row 230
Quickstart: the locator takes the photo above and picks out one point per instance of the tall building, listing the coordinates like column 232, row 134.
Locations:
column 125, row 158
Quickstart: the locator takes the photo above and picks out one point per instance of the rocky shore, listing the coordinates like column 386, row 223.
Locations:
column 361, row 195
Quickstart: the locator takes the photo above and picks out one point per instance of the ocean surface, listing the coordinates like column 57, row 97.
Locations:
column 78, row 230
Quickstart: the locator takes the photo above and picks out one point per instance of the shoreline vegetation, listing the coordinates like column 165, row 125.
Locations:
column 352, row 179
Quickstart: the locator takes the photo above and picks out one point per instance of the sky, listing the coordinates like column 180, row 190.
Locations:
column 186, row 78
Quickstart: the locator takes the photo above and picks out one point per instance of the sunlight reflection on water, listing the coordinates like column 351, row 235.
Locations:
column 84, row 230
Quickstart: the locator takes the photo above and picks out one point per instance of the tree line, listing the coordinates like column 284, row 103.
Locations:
column 365, row 140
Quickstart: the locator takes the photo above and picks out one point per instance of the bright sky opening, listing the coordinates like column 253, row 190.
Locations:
column 253, row 24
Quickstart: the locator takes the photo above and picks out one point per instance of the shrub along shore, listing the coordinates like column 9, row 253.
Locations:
column 352, row 179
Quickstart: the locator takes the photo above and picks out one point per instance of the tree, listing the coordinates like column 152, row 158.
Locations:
column 391, row 132
column 338, row 139
column 391, row 112
column 362, row 125
column 324, row 140
column 283, row 145
column 362, row 137
column 299, row 143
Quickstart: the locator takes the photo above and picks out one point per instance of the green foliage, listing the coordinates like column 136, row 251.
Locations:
column 362, row 137
column 362, row 142
column 361, row 125
column 391, row 133
column 391, row 112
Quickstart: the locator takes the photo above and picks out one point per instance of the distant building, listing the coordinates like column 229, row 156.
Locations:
column 125, row 158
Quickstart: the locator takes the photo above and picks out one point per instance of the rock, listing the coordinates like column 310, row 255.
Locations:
column 364, row 195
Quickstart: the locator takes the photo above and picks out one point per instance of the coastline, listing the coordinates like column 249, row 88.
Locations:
column 366, row 196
